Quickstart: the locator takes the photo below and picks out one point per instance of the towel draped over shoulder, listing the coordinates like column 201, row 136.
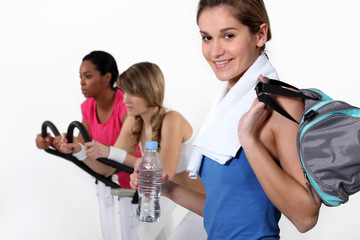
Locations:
column 218, row 139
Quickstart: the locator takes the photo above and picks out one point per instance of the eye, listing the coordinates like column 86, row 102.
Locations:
column 88, row 76
column 128, row 94
column 229, row 36
column 206, row 38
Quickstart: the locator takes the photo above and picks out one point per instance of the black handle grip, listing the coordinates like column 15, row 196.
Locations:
column 86, row 137
column 44, row 126
column 82, row 129
column 49, row 124
column 70, row 157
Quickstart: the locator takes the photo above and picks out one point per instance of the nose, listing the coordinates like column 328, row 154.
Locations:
column 217, row 49
column 126, row 98
column 82, row 81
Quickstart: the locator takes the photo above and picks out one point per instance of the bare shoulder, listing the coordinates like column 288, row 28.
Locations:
column 282, row 128
column 279, row 133
column 173, row 117
column 175, row 121
column 173, row 113
column 293, row 106
column 282, row 132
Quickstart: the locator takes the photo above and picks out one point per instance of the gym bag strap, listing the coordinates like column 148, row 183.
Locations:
column 277, row 87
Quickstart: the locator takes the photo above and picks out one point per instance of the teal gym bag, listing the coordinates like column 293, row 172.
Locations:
column 328, row 140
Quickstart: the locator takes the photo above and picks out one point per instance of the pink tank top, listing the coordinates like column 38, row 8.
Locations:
column 108, row 132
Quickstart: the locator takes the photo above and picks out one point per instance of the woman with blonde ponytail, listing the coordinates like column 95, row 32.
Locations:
column 145, row 80
column 143, row 86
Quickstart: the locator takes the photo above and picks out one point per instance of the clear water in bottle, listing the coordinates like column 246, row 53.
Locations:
column 149, row 187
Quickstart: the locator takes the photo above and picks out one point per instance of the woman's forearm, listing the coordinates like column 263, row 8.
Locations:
column 190, row 199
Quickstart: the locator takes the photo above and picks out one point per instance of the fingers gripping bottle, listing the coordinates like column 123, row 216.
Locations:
column 149, row 187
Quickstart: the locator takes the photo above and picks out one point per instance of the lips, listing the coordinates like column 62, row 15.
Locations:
column 222, row 64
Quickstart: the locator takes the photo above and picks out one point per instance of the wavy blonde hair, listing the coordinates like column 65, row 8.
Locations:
column 145, row 80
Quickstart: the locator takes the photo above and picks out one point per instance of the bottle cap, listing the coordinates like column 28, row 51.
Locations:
column 151, row 145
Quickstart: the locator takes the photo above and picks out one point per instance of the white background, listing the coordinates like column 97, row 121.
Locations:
column 315, row 44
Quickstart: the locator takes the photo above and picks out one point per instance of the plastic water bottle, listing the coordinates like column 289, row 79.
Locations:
column 149, row 187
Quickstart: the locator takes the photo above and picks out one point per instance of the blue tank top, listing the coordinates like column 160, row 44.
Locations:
column 236, row 206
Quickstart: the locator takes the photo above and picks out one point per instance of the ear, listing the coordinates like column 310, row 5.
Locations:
column 107, row 77
column 262, row 35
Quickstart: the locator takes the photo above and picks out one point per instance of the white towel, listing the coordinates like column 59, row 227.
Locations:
column 218, row 139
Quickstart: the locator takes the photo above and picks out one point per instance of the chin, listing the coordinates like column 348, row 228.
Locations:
column 131, row 114
column 222, row 78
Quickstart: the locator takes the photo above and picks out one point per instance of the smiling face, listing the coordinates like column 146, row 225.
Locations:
column 227, row 44
column 91, row 80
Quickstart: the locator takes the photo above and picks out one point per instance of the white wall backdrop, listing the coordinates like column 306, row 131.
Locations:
column 315, row 44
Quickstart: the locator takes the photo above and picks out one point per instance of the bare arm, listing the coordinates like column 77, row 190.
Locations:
column 175, row 130
column 188, row 198
column 285, row 185
column 95, row 150
column 124, row 141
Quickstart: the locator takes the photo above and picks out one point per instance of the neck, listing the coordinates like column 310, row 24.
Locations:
column 146, row 133
column 106, row 99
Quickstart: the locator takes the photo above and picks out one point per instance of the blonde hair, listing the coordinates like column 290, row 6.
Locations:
column 145, row 80
column 251, row 13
